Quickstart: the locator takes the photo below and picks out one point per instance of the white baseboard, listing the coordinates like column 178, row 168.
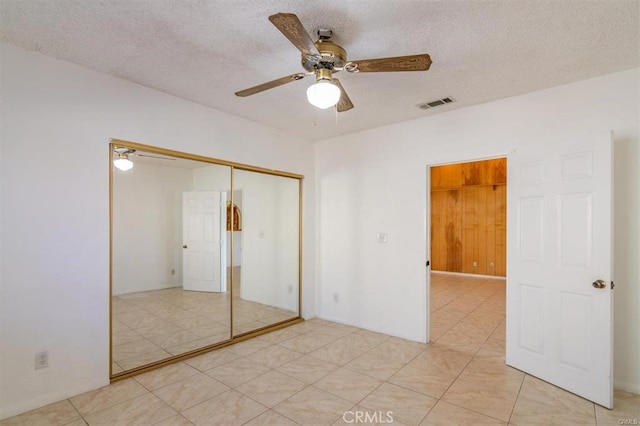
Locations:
column 627, row 387
column 387, row 332
column 41, row 401
column 462, row 274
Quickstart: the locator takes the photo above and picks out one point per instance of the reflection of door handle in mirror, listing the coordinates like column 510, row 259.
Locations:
column 184, row 246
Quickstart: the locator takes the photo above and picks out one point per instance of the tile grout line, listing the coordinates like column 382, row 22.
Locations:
column 468, row 362
column 517, row 396
column 466, row 315
column 457, row 376
column 170, row 407
column 424, row 350
column 76, row 409
column 338, row 367
column 344, row 366
column 488, row 302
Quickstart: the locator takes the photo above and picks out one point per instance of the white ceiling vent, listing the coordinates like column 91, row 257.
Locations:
column 437, row 102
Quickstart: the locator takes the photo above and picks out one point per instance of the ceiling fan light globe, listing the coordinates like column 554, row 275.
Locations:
column 123, row 164
column 324, row 94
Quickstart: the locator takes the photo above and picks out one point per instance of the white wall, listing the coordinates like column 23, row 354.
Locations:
column 375, row 181
column 147, row 227
column 57, row 119
column 215, row 177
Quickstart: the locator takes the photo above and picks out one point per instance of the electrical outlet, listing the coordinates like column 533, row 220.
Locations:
column 173, row 272
column 335, row 297
column 382, row 237
column 290, row 289
column 42, row 360
column 475, row 264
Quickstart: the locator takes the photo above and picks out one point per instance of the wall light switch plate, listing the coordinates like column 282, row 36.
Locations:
column 42, row 360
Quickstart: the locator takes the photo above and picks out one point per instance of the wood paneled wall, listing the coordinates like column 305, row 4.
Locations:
column 469, row 217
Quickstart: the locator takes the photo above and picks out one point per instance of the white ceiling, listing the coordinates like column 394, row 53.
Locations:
column 205, row 50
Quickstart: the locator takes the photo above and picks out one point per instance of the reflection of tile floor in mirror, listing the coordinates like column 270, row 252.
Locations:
column 314, row 372
column 154, row 325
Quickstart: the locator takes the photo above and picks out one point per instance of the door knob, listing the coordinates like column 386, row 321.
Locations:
column 184, row 246
column 599, row 284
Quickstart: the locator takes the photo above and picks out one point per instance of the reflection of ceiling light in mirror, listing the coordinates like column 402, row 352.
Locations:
column 122, row 162
column 323, row 94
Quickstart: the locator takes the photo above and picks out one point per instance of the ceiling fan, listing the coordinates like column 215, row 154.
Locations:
column 122, row 161
column 324, row 58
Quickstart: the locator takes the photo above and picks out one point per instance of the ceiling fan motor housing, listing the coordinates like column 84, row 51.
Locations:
column 332, row 57
column 123, row 150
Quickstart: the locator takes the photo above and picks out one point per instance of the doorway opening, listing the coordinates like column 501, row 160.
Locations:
column 467, row 224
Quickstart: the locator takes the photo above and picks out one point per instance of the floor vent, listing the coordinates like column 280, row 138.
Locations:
column 438, row 102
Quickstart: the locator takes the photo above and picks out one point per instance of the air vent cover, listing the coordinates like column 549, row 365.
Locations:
column 437, row 102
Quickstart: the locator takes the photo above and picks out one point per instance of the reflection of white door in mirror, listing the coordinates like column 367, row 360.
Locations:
column 175, row 301
column 204, row 233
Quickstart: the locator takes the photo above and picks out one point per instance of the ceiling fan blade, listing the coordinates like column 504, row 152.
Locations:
column 398, row 63
column 271, row 84
column 154, row 156
column 344, row 104
column 292, row 28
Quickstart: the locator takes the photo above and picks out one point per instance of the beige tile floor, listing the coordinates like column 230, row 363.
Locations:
column 314, row 372
column 154, row 325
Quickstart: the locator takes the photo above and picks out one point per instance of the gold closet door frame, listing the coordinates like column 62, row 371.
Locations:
column 233, row 339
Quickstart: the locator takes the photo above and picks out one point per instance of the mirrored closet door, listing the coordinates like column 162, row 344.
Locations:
column 190, row 238
column 266, row 261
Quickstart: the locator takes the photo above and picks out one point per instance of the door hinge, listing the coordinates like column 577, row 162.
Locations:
column 428, row 263
column 612, row 285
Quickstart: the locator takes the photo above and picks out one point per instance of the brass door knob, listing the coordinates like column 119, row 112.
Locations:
column 184, row 246
column 599, row 284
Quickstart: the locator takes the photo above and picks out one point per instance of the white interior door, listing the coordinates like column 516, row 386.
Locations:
column 559, row 325
column 204, row 233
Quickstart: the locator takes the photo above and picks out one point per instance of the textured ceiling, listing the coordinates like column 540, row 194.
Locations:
column 205, row 51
